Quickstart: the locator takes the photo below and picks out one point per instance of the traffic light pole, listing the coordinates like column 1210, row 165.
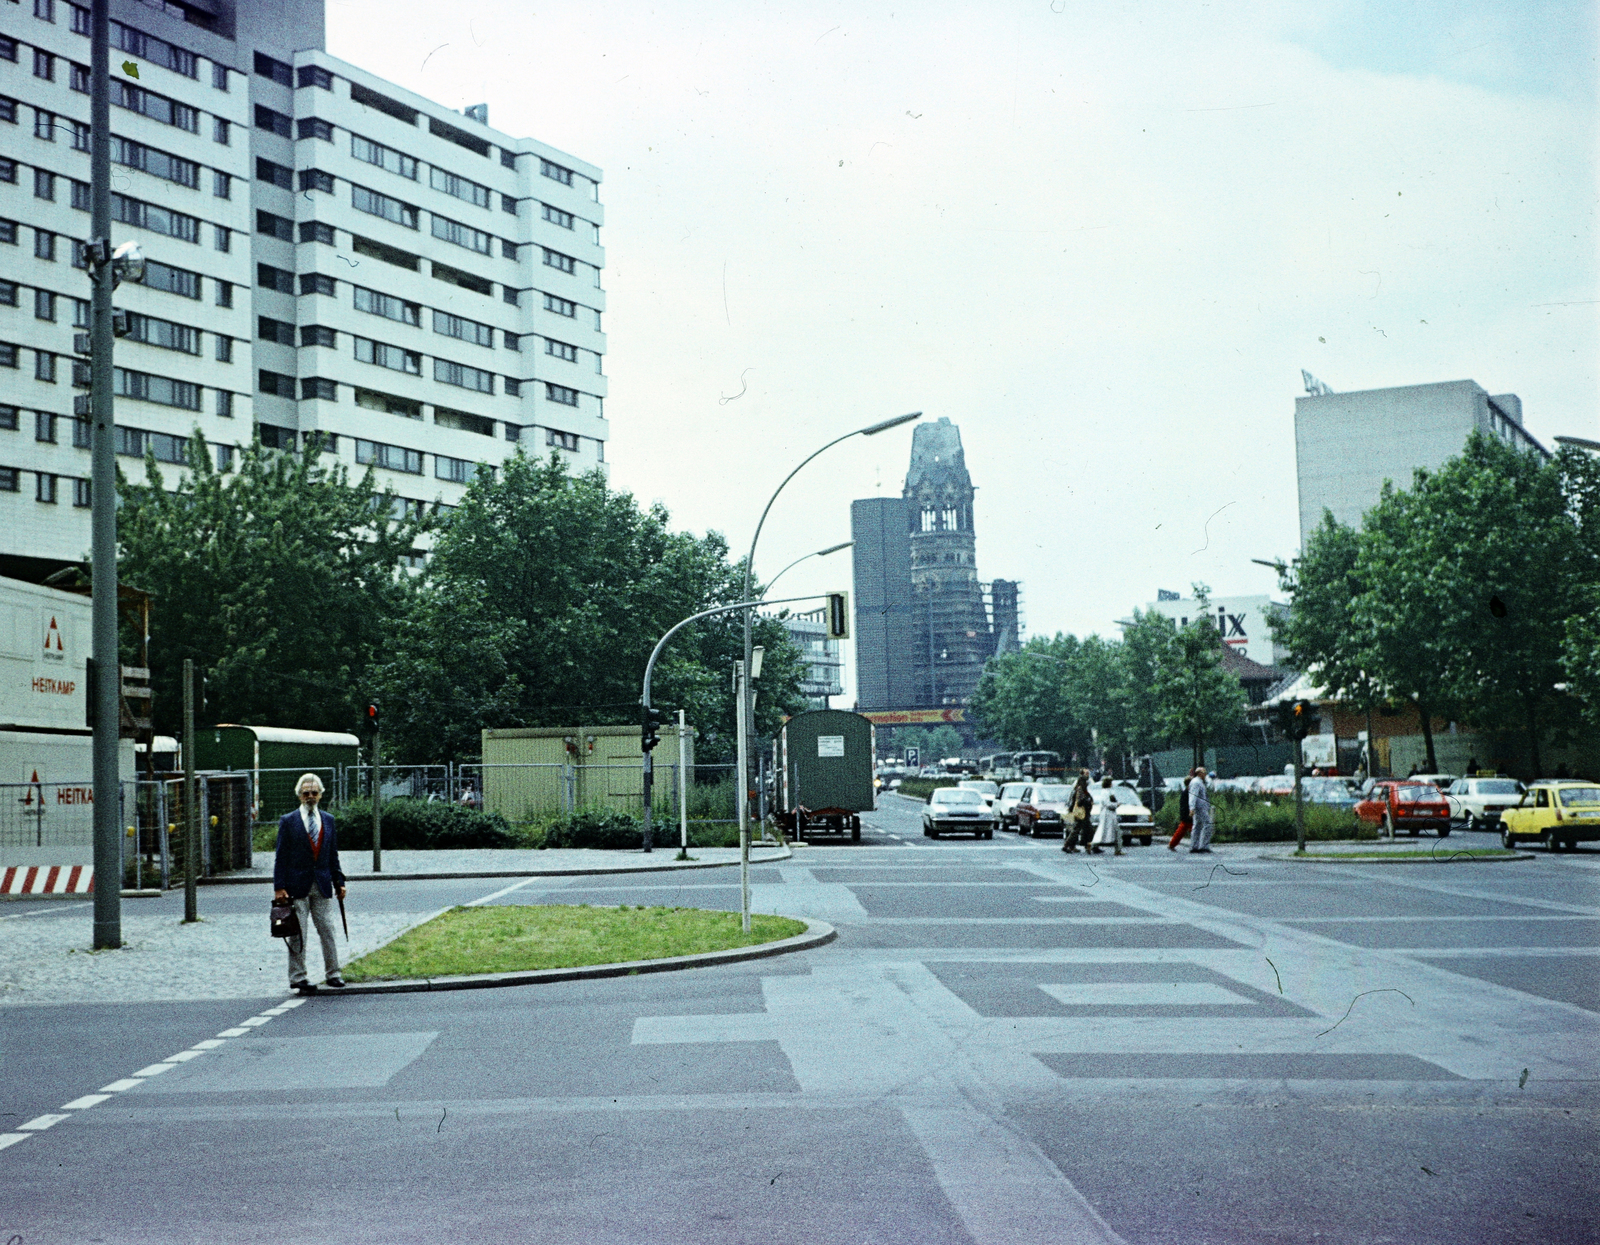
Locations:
column 107, row 686
column 191, row 810
column 1299, row 807
column 648, row 743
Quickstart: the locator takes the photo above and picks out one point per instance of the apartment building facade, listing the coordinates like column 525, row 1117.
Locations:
column 328, row 256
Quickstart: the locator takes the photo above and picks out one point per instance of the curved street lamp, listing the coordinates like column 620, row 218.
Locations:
column 743, row 792
column 819, row 553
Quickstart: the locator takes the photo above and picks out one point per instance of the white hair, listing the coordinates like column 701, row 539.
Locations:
column 308, row 778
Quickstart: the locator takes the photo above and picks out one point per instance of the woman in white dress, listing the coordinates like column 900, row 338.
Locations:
column 1110, row 832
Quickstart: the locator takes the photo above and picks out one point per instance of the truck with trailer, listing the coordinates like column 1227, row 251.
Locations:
column 825, row 773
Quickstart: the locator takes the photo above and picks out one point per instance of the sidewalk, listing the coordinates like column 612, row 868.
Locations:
column 495, row 862
column 45, row 960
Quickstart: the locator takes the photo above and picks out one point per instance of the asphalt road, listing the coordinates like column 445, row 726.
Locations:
column 1004, row 1045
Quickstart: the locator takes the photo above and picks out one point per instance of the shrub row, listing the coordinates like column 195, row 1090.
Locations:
column 610, row 830
column 922, row 788
column 420, row 824
column 1242, row 818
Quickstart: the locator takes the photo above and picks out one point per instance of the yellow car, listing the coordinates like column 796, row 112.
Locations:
column 1556, row 814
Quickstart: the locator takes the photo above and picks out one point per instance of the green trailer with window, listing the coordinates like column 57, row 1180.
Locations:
column 275, row 757
column 825, row 779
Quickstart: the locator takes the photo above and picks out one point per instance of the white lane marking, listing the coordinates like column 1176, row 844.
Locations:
column 11, row 1139
column 289, row 1004
column 155, row 1069
column 183, row 1056
column 254, row 1022
column 505, row 890
column 55, row 907
column 209, row 1044
column 84, row 1103
column 227, row 1033
column 41, row 1122
column 1143, row 993
column 116, row 1087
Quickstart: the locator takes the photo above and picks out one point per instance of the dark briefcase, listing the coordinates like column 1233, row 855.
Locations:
column 285, row 922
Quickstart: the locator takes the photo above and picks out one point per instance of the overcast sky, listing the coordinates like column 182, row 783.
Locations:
column 1101, row 238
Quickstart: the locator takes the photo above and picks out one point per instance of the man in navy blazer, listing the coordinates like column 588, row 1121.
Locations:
column 307, row 871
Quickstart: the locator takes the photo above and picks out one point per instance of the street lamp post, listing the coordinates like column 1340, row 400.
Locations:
column 743, row 791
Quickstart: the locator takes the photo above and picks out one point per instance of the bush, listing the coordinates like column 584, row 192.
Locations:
column 922, row 788
column 421, row 825
column 609, row 830
column 1242, row 818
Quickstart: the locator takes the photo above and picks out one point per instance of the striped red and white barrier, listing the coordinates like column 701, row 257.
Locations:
column 47, row 880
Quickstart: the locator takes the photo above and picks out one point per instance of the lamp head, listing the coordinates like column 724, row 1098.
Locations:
column 887, row 424
column 127, row 263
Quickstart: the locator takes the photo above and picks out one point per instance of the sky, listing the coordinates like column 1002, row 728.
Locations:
column 1103, row 239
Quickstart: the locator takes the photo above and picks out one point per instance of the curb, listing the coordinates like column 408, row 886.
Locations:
column 818, row 933
column 670, row 867
column 1460, row 856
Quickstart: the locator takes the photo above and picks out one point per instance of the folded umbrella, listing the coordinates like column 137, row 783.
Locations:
column 343, row 919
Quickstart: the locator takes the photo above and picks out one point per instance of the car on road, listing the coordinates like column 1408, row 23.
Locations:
column 1559, row 814
column 957, row 810
column 1332, row 791
column 988, row 790
column 1405, row 804
column 1042, row 808
column 1005, row 804
column 1478, row 802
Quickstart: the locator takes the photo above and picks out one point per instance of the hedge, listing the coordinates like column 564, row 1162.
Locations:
column 609, row 830
column 922, row 788
column 421, row 824
column 1244, row 818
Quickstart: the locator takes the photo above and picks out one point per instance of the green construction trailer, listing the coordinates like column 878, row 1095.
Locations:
column 825, row 780
column 275, row 757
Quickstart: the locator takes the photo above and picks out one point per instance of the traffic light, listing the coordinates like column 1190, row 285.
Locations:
column 1300, row 717
column 838, row 616
column 372, row 717
column 650, row 729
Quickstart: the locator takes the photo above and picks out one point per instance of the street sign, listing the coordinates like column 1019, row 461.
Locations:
column 914, row 758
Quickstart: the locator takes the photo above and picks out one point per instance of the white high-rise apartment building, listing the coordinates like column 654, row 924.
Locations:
column 327, row 255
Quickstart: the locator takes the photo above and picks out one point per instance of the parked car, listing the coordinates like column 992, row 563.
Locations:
column 988, row 790
column 1556, row 813
column 1042, row 808
column 1131, row 812
column 956, row 809
column 1405, row 804
column 1442, row 781
column 1005, row 805
column 1332, row 791
column 1478, row 802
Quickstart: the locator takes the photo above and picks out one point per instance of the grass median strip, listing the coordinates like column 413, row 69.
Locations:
column 508, row 938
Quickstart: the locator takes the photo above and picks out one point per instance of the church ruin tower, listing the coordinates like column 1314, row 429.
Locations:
column 951, row 627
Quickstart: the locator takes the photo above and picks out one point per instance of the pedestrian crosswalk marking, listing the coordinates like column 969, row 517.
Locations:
column 1143, row 993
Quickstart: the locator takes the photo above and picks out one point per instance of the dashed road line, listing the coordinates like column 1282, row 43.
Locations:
column 132, row 1081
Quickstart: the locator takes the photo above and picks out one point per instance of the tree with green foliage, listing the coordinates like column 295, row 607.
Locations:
column 1198, row 700
column 1025, row 697
column 275, row 577
column 934, row 743
column 1579, row 472
column 1503, row 561
column 544, row 597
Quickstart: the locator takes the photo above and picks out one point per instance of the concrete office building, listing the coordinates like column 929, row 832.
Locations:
column 882, row 588
column 1241, row 621
column 329, row 255
column 824, row 665
column 1348, row 444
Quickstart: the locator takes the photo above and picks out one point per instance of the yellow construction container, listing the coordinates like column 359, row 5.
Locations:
column 532, row 771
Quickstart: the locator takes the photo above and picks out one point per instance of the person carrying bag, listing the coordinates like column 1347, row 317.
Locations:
column 1078, row 809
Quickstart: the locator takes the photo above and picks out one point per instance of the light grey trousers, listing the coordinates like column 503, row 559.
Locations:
column 314, row 907
column 1204, row 827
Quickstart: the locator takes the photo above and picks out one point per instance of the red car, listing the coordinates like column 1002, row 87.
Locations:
column 1404, row 804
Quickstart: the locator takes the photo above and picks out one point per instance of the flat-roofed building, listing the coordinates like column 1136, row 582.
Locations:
column 1348, row 444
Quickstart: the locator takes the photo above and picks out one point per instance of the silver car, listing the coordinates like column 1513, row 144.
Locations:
column 1478, row 802
column 958, row 810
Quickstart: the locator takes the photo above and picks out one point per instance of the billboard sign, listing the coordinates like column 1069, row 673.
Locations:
column 44, row 641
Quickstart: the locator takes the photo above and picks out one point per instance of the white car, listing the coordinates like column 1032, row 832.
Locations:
column 1005, row 804
column 1478, row 802
column 953, row 809
column 988, row 790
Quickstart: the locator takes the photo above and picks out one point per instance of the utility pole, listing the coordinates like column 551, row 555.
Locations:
column 743, row 713
column 103, row 493
column 683, row 785
column 377, row 792
column 191, row 811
